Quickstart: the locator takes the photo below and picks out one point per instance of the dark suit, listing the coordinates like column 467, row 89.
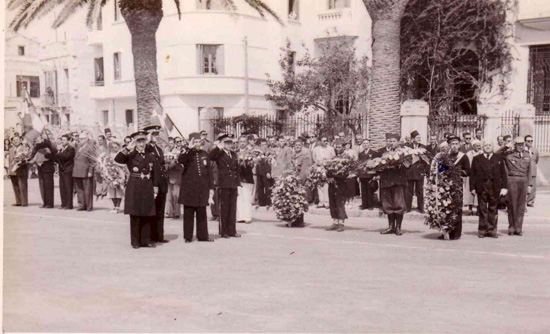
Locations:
column 415, row 180
column 196, row 182
column 263, row 188
column 157, row 225
column 368, row 185
column 464, row 164
column 83, row 167
column 433, row 149
column 139, row 199
column 488, row 178
column 46, row 170
column 65, row 159
column 465, row 148
column 228, row 181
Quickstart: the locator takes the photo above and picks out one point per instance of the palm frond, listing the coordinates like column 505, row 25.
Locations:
column 260, row 6
column 94, row 11
column 68, row 10
column 178, row 7
column 33, row 10
column 229, row 5
column 13, row 4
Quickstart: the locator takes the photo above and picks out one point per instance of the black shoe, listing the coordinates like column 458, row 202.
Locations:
column 16, row 204
column 188, row 240
column 149, row 246
column 225, row 236
column 519, row 234
column 362, row 207
column 441, row 237
column 135, row 246
column 48, row 207
column 510, row 233
column 479, row 235
column 206, row 240
column 236, row 235
column 89, row 210
column 332, row 227
column 492, row 235
column 163, row 241
column 398, row 231
column 389, row 230
column 421, row 211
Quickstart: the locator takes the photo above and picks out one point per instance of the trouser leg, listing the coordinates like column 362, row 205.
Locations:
column 16, row 190
column 69, row 184
column 232, row 226
column 145, row 230
column 62, row 191
column 176, row 196
column 482, row 200
column 513, row 188
column 157, row 222
column 135, row 235
column 202, row 223
column 49, row 189
column 88, row 193
column 457, row 231
column 521, row 203
column 323, row 194
column 419, row 191
column 533, row 194
column 492, row 214
column 170, row 201
column 41, row 187
column 79, row 187
column 225, row 203
column 409, row 194
column 23, row 188
column 188, row 222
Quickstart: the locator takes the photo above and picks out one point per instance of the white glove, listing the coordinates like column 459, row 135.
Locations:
column 529, row 189
column 156, row 190
column 211, row 199
column 473, row 192
column 503, row 192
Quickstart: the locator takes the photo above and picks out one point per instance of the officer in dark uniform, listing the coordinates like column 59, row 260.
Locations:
column 415, row 176
column 228, row 181
column 157, row 224
column 520, row 184
column 139, row 199
column 65, row 159
column 196, row 188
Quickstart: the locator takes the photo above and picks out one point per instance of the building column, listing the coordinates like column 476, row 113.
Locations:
column 526, row 113
column 414, row 116
column 493, row 123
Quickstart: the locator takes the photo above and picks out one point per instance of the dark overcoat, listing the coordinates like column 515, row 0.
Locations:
column 418, row 169
column 65, row 159
column 196, row 178
column 159, row 157
column 228, row 168
column 139, row 199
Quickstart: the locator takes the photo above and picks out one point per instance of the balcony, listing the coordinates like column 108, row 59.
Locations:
column 95, row 37
column 62, row 100
column 335, row 22
column 97, row 83
column 534, row 14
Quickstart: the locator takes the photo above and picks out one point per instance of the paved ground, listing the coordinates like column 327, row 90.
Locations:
column 75, row 272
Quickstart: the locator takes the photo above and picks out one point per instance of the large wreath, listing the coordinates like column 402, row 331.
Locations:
column 289, row 197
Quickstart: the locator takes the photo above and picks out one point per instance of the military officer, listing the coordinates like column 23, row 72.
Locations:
column 228, row 182
column 196, row 188
column 157, row 225
column 139, row 199
column 520, row 184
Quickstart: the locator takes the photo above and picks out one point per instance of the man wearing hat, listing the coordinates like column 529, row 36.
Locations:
column 393, row 184
column 157, row 225
column 415, row 176
column 196, row 188
column 43, row 154
column 83, row 172
column 65, row 159
column 143, row 182
column 520, row 184
column 228, row 182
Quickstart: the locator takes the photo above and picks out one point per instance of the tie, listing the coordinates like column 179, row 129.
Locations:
column 487, row 155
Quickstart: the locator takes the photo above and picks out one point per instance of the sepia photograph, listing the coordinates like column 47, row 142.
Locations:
column 276, row 166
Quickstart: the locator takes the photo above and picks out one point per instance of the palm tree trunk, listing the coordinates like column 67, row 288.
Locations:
column 143, row 22
column 385, row 99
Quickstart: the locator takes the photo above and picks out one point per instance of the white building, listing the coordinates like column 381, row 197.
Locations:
column 213, row 62
column 21, row 76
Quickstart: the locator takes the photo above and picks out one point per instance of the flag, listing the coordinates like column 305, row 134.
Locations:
column 32, row 123
column 164, row 120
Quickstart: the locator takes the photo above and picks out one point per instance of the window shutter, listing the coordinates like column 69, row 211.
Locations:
column 220, row 60
column 200, row 66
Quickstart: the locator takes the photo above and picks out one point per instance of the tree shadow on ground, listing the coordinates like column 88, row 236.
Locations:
column 431, row 235
column 171, row 237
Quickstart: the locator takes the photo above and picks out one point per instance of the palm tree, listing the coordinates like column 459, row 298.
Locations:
column 142, row 18
column 385, row 99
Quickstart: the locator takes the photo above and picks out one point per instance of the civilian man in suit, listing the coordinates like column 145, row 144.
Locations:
column 19, row 170
column 65, row 159
column 467, row 145
column 534, row 155
column 157, row 223
column 263, row 174
column 228, row 182
column 196, row 189
column 488, row 180
column 83, row 172
column 415, row 176
column 433, row 147
column 368, row 184
column 43, row 154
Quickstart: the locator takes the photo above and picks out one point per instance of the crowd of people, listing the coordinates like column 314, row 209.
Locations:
column 157, row 179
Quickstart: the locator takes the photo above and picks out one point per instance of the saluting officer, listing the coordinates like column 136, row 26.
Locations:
column 139, row 199
column 157, row 225
column 195, row 190
column 520, row 183
column 228, row 181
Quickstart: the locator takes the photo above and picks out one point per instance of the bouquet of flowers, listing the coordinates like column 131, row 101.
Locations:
column 246, row 158
column 443, row 194
column 111, row 172
column 289, row 197
column 316, row 176
column 402, row 156
column 20, row 159
column 339, row 167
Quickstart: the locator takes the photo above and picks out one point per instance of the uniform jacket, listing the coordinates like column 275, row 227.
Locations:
column 159, row 155
column 65, row 159
column 139, row 198
column 392, row 177
column 196, row 179
column 417, row 170
column 48, row 151
column 246, row 170
column 83, row 162
column 228, row 168
column 519, row 165
column 534, row 155
column 484, row 169
column 13, row 153
column 302, row 161
column 364, row 156
column 463, row 161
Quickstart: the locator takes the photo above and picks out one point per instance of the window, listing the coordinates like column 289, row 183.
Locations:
column 538, row 85
column 68, row 117
column 116, row 65
column 66, row 71
column 210, row 4
column 98, row 69
column 294, row 9
column 27, row 85
column 105, row 117
column 50, row 78
column 210, row 59
column 21, row 50
column 336, row 4
column 35, row 87
column 21, row 87
column 129, row 117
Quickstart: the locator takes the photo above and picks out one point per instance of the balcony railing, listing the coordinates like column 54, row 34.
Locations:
column 97, row 83
column 335, row 15
column 62, row 99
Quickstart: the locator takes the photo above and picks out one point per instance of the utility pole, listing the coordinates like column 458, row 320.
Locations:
column 246, row 91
